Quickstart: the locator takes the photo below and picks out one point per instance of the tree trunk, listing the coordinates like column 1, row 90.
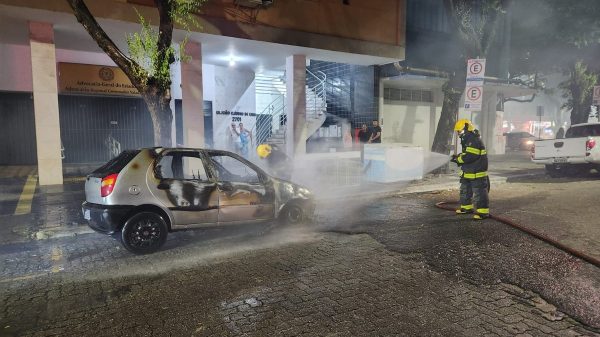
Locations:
column 453, row 90
column 158, row 103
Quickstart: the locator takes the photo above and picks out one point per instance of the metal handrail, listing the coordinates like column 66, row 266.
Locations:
column 319, row 103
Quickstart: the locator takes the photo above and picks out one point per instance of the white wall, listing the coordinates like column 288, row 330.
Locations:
column 15, row 68
column 406, row 122
column 234, row 91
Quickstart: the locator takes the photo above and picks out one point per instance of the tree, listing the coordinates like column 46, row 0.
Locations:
column 473, row 26
column 150, row 55
column 577, row 89
column 559, row 36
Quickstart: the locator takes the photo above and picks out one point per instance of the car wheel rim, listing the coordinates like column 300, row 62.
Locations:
column 295, row 214
column 144, row 234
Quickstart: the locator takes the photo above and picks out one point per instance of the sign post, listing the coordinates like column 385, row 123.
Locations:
column 473, row 88
column 540, row 112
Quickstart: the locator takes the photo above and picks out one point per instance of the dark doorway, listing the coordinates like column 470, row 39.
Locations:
column 17, row 120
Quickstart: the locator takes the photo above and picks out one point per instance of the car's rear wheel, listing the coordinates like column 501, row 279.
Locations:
column 555, row 172
column 144, row 233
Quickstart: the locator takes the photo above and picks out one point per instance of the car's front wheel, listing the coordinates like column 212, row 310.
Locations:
column 144, row 233
column 293, row 214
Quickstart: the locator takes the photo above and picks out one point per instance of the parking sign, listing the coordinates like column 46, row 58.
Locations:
column 474, row 85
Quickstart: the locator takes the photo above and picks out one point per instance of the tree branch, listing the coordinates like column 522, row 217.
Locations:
column 87, row 20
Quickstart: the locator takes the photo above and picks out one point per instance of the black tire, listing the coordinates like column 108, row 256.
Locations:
column 144, row 233
column 293, row 214
column 555, row 172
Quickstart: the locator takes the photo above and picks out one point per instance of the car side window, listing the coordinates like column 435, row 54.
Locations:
column 182, row 166
column 193, row 168
column 165, row 167
column 231, row 169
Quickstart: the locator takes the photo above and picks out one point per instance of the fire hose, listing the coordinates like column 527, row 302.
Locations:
column 594, row 261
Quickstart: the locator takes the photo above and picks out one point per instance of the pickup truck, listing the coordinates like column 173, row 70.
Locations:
column 576, row 153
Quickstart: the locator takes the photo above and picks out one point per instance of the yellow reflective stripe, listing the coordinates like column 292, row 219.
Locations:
column 483, row 210
column 467, row 207
column 473, row 150
column 475, row 175
column 459, row 159
column 483, row 152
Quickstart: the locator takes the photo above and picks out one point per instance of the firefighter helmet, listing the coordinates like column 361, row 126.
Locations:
column 263, row 150
column 462, row 123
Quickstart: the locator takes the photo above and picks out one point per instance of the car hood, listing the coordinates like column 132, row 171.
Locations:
column 287, row 191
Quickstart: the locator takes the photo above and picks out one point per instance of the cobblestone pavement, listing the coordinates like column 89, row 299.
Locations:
column 392, row 266
column 289, row 283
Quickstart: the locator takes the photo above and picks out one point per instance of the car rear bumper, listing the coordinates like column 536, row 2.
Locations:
column 104, row 218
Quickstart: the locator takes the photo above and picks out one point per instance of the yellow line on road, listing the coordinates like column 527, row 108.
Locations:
column 56, row 257
column 24, row 205
column 22, row 278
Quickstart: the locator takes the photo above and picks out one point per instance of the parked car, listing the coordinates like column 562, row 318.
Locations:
column 519, row 141
column 141, row 195
column 575, row 153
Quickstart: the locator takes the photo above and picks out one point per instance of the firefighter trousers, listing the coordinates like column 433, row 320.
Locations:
column 474, row 192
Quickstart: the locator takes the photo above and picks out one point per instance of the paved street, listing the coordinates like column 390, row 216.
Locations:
column 379, row 266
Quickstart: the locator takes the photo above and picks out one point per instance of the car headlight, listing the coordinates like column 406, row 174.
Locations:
column 529, row 142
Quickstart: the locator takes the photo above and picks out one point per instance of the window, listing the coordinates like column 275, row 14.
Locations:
column 411, row 95
column 193, row 168
column 165, row 167
column 116, row 164
column 583, row 131
column 182, row 165
column 230, row 169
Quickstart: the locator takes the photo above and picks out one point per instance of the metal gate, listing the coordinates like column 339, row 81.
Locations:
column 95, row 129
column 17, row 136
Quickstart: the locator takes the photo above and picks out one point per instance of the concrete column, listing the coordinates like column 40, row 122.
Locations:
column 45, row 103
column 295, row 104
column 491, row 123
column 192, row 96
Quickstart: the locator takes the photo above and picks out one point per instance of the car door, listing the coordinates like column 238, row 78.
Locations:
column 184, row 187
column 245, row 193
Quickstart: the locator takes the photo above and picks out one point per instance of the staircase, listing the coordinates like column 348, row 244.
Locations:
column 271, row 128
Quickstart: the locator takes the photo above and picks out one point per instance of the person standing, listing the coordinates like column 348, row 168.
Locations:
column 245, row 140
column 233, row 139
column 375, row 133
column 474, row 181
column 278, row 163
column 364, row 135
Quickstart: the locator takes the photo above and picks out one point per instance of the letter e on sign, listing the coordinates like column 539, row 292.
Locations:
column 474, row 93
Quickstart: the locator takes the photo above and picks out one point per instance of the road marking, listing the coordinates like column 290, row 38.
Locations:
column 22, row 278
column 57, row 258
column 24, row 204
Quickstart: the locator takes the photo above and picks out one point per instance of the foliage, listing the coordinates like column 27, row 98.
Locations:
column 152, row 62
column 578, row 89
column 551, row 35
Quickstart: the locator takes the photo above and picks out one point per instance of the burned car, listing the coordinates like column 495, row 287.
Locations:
column 141, row 195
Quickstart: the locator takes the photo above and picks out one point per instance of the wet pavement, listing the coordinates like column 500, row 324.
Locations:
column 379, row 266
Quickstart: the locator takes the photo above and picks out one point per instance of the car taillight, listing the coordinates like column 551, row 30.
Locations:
column 590, row 144
column 108, row 184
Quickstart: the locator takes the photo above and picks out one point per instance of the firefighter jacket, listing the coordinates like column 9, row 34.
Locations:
column 473, row 160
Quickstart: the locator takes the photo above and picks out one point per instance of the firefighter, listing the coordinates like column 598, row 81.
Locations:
column 474, row 181
column 278, row 162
